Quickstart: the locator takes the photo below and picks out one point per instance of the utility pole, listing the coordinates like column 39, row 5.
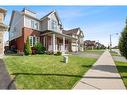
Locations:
column 110, row 46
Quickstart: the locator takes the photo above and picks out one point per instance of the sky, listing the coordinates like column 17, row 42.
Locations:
column 97, row 22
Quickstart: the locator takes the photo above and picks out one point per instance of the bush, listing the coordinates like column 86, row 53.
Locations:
column 58, row 53
column 49, row 53
column 27, row 48
column 123, row 42
column 39, row 48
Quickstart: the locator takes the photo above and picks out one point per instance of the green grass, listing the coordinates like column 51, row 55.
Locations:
column 46, row 71
column 114, row 53
column 122, row 68
column 99, row 52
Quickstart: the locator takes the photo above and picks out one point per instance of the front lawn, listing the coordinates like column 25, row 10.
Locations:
column 114, row 53
column 46, row 71
column 122, row 68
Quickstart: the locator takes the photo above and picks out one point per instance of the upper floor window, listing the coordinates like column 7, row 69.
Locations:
column 54, row 25
column 32, row 23
column 36, row 25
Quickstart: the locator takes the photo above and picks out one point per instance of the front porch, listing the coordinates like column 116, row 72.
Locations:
column 55, row 42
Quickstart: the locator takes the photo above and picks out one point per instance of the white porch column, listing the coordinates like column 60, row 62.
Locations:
column 53, row 42
column 63, row 44
column 56, row 45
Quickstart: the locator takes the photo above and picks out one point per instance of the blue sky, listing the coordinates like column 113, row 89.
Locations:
column 97, row 22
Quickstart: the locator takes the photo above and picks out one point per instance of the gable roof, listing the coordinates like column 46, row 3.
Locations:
column 72, row 31
column 52, row 12
column 13, row 12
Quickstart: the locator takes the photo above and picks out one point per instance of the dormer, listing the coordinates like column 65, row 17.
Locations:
column 29, row 12
column 2, row 14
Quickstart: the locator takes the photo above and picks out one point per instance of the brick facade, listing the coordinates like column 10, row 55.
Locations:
column 19, row 43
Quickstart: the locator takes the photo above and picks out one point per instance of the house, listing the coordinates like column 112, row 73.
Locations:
column 48, row 30
column 3, row 28
column 76, row 45
column 88, row 44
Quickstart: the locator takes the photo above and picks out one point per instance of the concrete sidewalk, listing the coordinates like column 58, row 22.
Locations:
column 103, row 75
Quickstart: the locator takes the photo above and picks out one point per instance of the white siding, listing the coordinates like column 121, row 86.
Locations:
column 44, row 25
column 27, row 23
column 16, row 26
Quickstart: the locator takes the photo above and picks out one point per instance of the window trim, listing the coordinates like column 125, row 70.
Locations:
column 54, row 25
column 32, row 24
column 36, row 40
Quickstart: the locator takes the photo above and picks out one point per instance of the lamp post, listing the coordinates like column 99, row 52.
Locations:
column 111, row 40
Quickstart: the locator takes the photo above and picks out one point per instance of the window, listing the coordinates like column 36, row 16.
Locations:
column 54, row 25
column 32, row 23
column 36, row 25
column 33, row 40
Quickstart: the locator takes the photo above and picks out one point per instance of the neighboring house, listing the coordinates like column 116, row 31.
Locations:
column 3, row 28
column 88, row 44
column 48, row 30
column 76, row 45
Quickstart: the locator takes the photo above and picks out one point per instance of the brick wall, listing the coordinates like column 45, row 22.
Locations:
column 20, row 42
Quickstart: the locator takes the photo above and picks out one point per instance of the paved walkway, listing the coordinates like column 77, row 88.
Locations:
column 103, row 75
column 5, row 80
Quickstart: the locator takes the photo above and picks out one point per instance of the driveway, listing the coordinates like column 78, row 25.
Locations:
column 5, row 80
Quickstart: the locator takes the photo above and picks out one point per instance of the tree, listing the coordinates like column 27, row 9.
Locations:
column 27, row 48
column 123, row 42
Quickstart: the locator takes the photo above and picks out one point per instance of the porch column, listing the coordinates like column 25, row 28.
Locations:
column 53, row 42
column 63, row 44
column 77, row 47
column 44, row 41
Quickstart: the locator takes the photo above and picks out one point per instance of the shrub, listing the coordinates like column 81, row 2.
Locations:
column 27, row 48
column 49, row 53
column 39, row 48
column 123, row 42
column 58, row 53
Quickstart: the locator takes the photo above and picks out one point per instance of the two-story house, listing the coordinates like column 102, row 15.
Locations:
column 3, row 28
column 48, row 30
column 76, row 45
